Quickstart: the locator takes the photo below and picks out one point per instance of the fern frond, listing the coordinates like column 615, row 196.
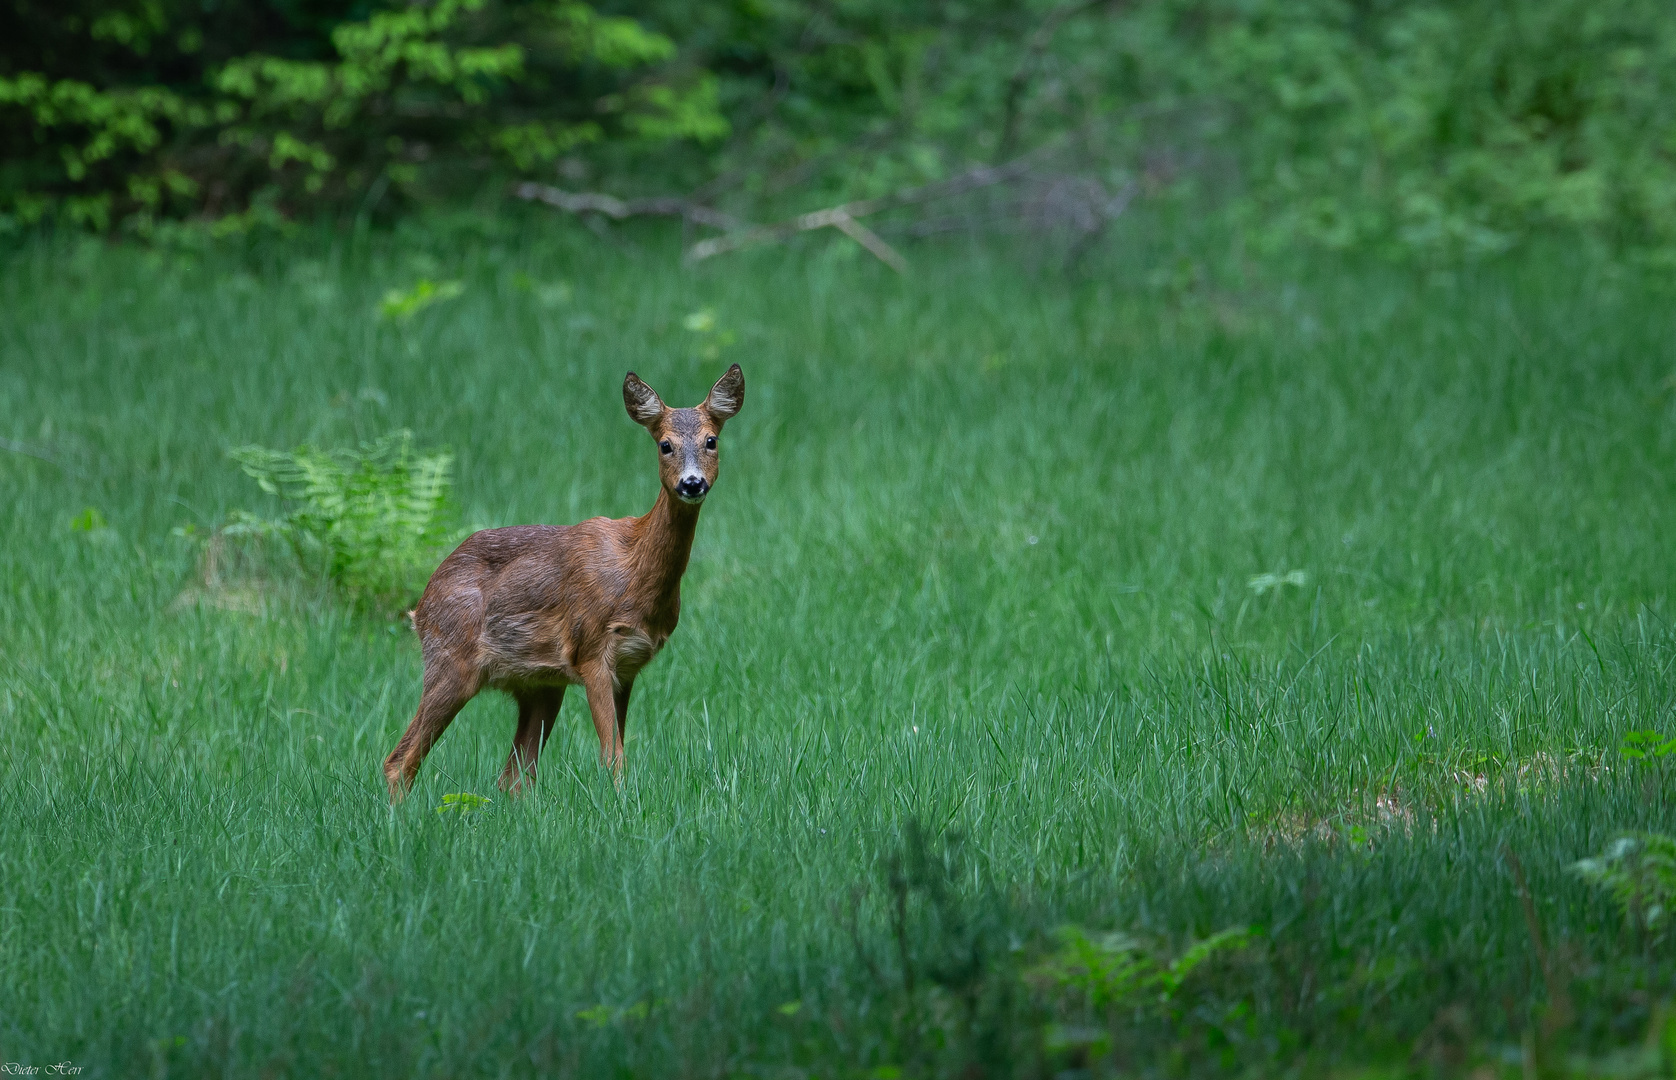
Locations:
column 377, row 515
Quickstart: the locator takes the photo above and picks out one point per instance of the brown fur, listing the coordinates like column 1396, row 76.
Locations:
column 536, row 608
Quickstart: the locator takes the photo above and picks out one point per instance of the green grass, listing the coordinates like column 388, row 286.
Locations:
column 969, row 651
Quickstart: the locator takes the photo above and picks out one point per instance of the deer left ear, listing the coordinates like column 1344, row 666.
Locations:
column 726, row 397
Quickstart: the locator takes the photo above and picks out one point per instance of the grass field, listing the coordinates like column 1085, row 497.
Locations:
column 975, row 648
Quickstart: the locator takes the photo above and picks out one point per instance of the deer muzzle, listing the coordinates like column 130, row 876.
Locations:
column 692, row 489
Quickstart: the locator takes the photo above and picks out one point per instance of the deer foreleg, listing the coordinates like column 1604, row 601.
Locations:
column 602, row 702
column 537, row 709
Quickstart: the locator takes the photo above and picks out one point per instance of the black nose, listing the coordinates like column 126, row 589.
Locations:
column 692, row 487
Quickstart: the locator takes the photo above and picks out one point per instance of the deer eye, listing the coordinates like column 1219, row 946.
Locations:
column 666, row 446
column 710, row 443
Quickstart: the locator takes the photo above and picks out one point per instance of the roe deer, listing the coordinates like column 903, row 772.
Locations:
column 535, row 608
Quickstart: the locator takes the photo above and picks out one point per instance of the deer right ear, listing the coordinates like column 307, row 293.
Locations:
column 643, row 403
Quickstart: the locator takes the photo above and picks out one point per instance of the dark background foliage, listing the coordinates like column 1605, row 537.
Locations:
column 1451, row 125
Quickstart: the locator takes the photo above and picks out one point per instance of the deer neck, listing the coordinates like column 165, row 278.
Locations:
column 663, row 541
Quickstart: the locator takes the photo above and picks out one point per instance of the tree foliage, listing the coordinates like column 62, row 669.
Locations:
column 302, row 110
column 1440, row 125
column 1455, row 125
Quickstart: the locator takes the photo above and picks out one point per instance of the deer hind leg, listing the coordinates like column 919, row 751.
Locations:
column 448, row 686
column 620, row 702
column 537, row 709
column 603, row 698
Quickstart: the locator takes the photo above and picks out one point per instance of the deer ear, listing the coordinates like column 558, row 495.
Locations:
column 643, row 403
column 727, row 395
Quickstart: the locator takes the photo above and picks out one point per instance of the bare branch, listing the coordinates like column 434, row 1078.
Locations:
column 1084, row 202
column 593, row 202
column 980, row 177
column 870, row 240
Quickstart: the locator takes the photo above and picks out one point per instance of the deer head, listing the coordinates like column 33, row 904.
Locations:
column 688, row 439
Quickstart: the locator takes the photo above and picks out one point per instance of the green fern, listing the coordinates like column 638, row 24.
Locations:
column 1114, row 970
column 1639, row 870
column 372, row 520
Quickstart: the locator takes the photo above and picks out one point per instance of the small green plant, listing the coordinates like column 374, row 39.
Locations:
column 399, row 305
column 461, row 803
column 89, row 520
column 90, row 525
column 371, row 520
column 1646, row 746
column 599, row 1016
column 1639, row 870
